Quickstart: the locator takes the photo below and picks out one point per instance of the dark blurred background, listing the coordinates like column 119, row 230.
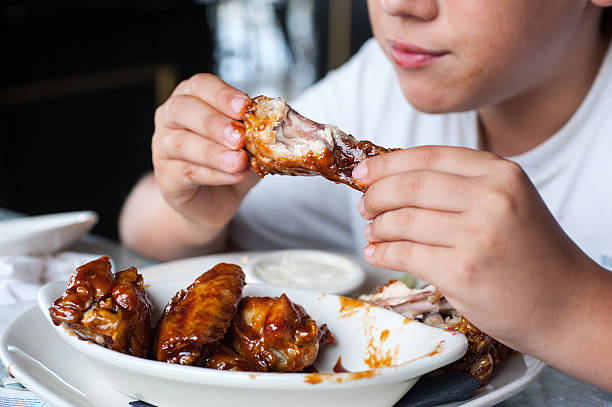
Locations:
column 81, row 80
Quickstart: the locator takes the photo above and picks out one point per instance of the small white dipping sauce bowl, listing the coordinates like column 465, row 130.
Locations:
column 384, row 353
column 315, row 270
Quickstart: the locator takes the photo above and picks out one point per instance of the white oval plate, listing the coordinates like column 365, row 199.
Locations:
column 44, row 234
column 365, row 335
column 44, row 370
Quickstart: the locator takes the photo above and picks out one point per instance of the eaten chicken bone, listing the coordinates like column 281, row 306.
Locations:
column 430, row 307
column 112, row 310
column 281, row 141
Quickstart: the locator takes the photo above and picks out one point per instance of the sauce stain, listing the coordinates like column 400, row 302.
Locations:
column 253, row 376
column 376, row 357
column 313, row 378
column 349, row 306
column 384, row 335
column 338, row 368
column 9, row 371
column 340, row 377
column 408, row 320
column 438, row 349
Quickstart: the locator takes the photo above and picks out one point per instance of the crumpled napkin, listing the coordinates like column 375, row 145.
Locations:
column 22, row 276
column 440, row 389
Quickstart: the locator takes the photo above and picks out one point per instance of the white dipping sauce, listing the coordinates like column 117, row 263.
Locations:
column 307, row 269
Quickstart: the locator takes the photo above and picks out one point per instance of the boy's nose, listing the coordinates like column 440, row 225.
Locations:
column 421, row 9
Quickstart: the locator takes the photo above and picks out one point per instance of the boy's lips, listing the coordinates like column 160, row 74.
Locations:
column 412, row 57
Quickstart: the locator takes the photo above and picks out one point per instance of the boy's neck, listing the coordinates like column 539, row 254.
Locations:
column 521, row 123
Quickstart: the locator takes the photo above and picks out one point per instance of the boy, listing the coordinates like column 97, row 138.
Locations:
column 514, row 243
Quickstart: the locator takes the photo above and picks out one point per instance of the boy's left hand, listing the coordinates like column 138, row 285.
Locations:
column 473, row 224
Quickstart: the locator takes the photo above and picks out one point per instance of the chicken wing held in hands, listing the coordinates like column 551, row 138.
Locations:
column 281, row 141
column 111, row 310
column 196, row 318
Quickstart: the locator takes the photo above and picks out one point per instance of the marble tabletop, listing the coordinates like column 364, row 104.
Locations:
column 552, row 388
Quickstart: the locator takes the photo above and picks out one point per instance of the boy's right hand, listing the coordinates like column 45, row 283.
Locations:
column 199, row 159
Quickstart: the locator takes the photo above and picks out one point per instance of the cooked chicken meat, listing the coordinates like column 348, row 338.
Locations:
column 110, row 310
column 430, row 307
column 196, row 318
column 276, row 334
column 410, row 302
column 281, row 141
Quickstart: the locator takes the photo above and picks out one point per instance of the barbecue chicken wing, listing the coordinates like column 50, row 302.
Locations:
column 281, row 141
column 196, row 318
column 430, row 307
column 276, row 334
column 111, row 310
column 224, row 358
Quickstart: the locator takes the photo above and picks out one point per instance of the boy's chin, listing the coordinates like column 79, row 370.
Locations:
column 428, row 100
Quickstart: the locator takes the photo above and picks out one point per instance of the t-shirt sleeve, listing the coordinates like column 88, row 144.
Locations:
column 312, row 212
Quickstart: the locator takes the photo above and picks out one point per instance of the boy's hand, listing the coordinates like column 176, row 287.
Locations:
column 200, row 164
column 472, row 223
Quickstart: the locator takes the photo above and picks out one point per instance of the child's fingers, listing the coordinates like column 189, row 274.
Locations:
column 216, row 93
column 454, row 160
column 417, row 225
column 186, row 146
column 423, row 189
column 188, row 112
column 429, row 263
column 178, row 174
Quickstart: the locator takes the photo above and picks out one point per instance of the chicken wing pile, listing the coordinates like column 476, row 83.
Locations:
column 208, row 324
column 111, row 310
column 281, row 141
column 430, row 307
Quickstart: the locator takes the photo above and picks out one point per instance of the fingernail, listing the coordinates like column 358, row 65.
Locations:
column 361, row 207
column 367, row 229
column 232, row 135
column 369, row 251
column 238, row 104
column 229, row 158
column 360, row 171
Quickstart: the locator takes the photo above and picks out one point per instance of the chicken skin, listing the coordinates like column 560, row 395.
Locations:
column 276, row 334
column 196, row 318
column 111, row 310
column 281, row 141
column 224, row 358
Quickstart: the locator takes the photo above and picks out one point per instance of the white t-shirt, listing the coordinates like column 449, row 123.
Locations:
column 572, row 170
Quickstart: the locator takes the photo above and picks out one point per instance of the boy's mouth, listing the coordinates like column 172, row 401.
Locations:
column 413, row 57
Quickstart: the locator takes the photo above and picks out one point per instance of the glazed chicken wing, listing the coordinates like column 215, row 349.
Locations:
column 281, row 141
column 276, row 334
column 224, row 358
column 110, row 310
column 196, row 318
